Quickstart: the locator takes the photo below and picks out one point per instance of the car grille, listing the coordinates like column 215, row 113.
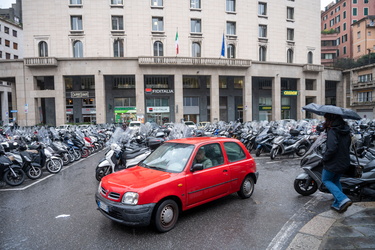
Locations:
column 114, row 196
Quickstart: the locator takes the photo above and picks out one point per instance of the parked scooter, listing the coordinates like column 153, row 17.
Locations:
column 310, row 180
column 12, row 174
column 290, row 144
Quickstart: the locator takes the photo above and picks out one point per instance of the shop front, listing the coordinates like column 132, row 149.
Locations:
column 125, row 114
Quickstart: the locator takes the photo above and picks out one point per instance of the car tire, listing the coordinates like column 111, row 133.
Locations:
column 166, row 216
column 247, row 187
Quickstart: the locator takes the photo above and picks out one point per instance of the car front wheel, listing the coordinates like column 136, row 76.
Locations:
column 166, row 216
column 247, row 187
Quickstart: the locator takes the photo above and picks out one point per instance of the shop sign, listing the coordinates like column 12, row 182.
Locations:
column 265, row 107
column 285, row 107
column 158, row 91
column 121, row 110
column 69, row 111
column 157, row 109
column 290, row 92
column 79, row 94
column 87, row 111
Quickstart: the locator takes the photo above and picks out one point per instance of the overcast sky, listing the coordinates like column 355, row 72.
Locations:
column 8, row 3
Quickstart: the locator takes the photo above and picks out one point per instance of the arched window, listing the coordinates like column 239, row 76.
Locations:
column 118, row 48
column 77, row 49
column 262, row 53
column 196, row 49
column 289, row 56
column 231, row 51
column 43, row 49
column 158, row 48
column 310, row 57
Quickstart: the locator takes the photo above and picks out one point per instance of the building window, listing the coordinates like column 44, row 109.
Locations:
column 43, row 49
column 365, row 11
column 75, row 1
column 196, row 49
column 76, row 22
column 262, row 53
column 190, row 83
column 290, row 34
column 344, row 50
column 118, row 48
column 15, row 33
column 344, row 26
column 231, row 51
column 337, row 19
column 158, row 49
column 262, row 9
column 354, row 11
column 365, row 78
column 196, row 26
column 354, row 1
column 15, row 57
column 6, row 30
column 344, row 14
column 117, row 2
column 195, row 4
column 117, row 23
column 7, row 55
column 231, row 28
column 358, row 34
column 231, row 5
column 289, row 56
column 157, row 24
column 124, row 82
column 157, row 3
column 263, row 31
column 310, row 57
column 359, row 48
column 15, row 46
column 7, row 43
column 290, row 13
column 365, row 96
column 344, row 38
column 191, row 101
column 77, row 49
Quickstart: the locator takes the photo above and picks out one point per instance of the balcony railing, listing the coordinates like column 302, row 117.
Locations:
column 313, row 68
column 194, row 61
column 40, row 61
column 363, row 85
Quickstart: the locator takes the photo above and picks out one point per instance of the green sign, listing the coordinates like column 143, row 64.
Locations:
column 122, row 110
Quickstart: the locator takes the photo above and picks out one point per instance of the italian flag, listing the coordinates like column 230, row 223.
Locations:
column 176, row 42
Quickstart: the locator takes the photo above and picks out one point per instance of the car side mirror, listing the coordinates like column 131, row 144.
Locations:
column 196, row 167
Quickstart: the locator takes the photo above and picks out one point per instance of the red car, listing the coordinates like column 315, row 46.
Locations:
column 179, row 175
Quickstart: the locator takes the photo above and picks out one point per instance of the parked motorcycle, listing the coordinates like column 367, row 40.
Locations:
column 290, row 144
column 310, row 180
column 12, row 174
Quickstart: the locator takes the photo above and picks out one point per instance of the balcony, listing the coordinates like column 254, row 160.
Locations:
column 194, row 61
column 41, row 61
column 313, row 68
column 367, row 103
column 363, row 85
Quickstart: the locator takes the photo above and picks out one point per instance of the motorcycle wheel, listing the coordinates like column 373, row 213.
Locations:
column 34, row 172
column 274, row 153
column 258, row 151
column 301, row 150
column 299, row 186
column 66, row 159
column 100, row 173
column 54, row 166
column 14, row 179
column 249, row 146
column 85, row 153
column 77, row 155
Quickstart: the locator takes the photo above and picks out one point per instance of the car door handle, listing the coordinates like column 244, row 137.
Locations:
column 225, row 170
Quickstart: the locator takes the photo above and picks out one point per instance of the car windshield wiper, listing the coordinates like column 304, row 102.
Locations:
column 157, row 168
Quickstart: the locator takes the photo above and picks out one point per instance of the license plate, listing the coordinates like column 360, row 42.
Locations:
column 103, row 206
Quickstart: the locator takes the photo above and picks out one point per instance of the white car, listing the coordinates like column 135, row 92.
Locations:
column 190, row 124
column 135, row 125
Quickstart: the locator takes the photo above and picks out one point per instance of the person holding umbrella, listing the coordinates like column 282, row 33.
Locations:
column 336, row 159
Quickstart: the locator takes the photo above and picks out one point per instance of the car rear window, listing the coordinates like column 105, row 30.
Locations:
column 234, row 151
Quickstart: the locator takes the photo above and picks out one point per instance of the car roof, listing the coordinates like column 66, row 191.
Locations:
column 201, row 140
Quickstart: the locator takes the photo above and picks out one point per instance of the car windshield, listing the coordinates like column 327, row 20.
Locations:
column 169, row 157
column 189, row 123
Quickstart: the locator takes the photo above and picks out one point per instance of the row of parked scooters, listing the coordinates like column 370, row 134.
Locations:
column 26, row 152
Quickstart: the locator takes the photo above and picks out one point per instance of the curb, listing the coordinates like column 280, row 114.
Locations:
column 311, row 235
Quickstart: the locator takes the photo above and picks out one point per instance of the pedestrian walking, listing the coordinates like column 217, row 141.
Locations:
column 336, row 159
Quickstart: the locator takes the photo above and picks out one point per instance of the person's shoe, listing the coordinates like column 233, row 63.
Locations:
column 335, row 208
column 345, row 206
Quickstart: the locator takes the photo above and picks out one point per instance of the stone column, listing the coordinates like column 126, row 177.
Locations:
column 5, row 107
column 60, row 100
column 178, row 98
column 248, row 99
column 101, row 115
column 215, row 98
column 276, row 98
column 140, row 96
column 301, row 98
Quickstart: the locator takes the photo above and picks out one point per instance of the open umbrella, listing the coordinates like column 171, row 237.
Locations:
column 323, row 109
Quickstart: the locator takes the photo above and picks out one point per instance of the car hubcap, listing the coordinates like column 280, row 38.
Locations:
column 247, row 187
column 167, row 215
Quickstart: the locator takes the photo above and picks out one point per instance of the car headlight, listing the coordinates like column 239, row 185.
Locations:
column 100, row 187
column 130, row 198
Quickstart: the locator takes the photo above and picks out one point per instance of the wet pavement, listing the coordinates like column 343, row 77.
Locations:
column 354, row 229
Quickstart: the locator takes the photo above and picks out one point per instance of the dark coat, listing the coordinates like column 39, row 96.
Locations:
column 336, row 159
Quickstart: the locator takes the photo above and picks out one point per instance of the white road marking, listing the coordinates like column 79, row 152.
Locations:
column 289, row 228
